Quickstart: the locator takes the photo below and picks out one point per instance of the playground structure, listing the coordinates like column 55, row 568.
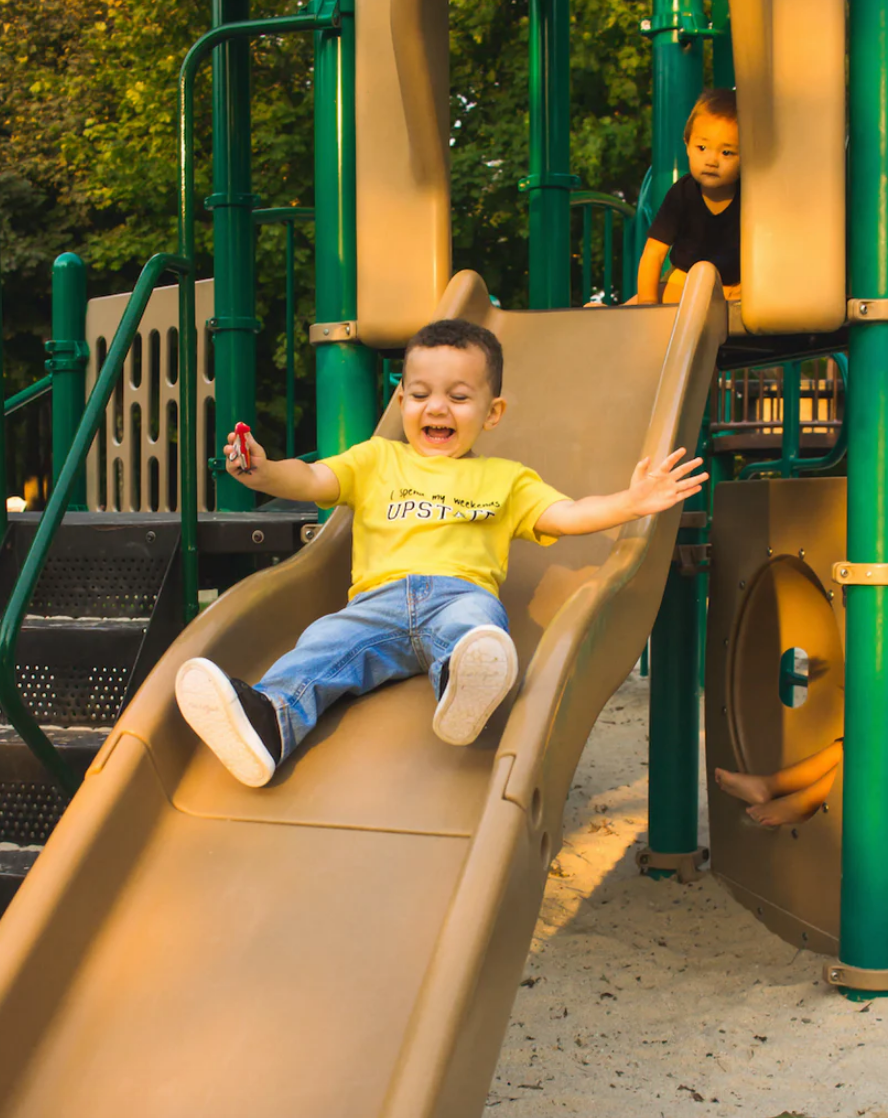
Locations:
column 159, row 851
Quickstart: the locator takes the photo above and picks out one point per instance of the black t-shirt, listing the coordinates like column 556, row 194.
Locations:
column 696, row 233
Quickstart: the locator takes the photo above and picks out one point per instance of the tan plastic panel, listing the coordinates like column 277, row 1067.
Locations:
column 402, row 105
column 347, row 942
column 760, row 605
column 789, row 60
column 142, row 420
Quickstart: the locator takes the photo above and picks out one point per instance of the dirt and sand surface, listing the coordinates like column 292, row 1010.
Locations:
column 652, row 999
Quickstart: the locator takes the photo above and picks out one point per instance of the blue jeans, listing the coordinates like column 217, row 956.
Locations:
column 398, row 630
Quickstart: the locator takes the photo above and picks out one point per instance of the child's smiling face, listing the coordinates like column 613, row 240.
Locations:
column 446, row 400
column 713, row 152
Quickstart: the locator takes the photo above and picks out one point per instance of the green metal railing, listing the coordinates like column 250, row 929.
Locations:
column 791, row 463
column 589, row 200
column 32, row 392
column 288, row 216
column 93, row 415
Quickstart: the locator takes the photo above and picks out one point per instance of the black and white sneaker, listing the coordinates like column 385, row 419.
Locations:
column 237, row 722
column 481, row 670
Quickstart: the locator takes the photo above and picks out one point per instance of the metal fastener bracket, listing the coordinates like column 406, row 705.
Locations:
column 321, row 333
column 691, row 558
column 309, row 532
column 860, row 574
column 867, row 310
column 686, row 866
column 855, row 978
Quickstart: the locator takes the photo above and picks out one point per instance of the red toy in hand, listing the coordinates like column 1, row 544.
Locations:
column 241, row 452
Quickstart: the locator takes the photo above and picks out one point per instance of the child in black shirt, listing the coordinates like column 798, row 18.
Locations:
column 700, row 215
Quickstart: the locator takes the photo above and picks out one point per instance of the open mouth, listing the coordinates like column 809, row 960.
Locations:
column 438, row 434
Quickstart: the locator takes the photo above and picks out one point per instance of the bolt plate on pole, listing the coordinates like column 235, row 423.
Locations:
column 867, row 310
column 860, row 574
column 685, row 866
column 855, row 978
column 321, row 333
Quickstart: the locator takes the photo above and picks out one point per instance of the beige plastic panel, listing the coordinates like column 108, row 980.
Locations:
column 402, row 105
column 789, row 59
column 347, row 942
column 142, row 417
column 760, row 605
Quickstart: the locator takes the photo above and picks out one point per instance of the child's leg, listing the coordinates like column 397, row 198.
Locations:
column 762, row 789
column 797, row 806
column 471, row 658
column 350, row 652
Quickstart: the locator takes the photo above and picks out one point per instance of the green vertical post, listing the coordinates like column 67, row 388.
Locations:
column 587, row 253
column 68, row 355
column 678, row 79
column 4, row 519
column 676, row 639
column 549, row 183
column 234, row 322
column 291, row 339
column 346, row 370
column 608, row 256
column 863, row 932
column 722, row 47
column 792, row 419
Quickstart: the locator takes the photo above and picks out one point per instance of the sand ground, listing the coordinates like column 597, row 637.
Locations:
column 651, row 999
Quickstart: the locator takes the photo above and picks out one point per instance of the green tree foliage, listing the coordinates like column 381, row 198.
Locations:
column 88, row 149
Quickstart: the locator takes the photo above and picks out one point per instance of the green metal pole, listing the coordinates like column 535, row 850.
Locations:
column 608, row 256
column 68, row 355
column 678, row 79
column 676, row 639
column 234, row 323
column 346, row 370
column 792, row 419
column 722, row 48
column 863, row 933
column 291, row 339
column 549, row 182
column 4, row 519
column 587, row 254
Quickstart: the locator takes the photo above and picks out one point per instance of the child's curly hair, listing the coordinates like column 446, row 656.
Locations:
column 717, row 102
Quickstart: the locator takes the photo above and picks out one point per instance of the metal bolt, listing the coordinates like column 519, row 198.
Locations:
column 770, row 551
column 348, row 329
column 801, row 553
column 825, row 808
column 843, row 573
column 724, row 711
column 726, row 642
column 830, row 594
column 742, row 584
column 644, row 859
column 326, row 331
column 794, row 832
column 869, row 574
column 835, row 975
column 864, row 310
column 150, row 537
column 258, row 536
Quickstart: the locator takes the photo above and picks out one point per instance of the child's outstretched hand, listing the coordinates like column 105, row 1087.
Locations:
column 657, row 488
column 258, row 460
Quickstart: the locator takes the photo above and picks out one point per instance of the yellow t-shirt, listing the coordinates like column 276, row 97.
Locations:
column 437, row 515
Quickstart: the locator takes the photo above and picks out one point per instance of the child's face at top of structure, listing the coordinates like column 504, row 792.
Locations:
column 446, row 400
column 714, row 153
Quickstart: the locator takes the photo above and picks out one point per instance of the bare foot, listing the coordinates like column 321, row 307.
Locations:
column 795, row 808
column 745, row 786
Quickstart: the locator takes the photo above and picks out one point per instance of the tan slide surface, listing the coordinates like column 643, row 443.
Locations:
column 347, row 942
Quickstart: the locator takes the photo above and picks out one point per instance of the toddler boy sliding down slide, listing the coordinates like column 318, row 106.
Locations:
column 433, row 522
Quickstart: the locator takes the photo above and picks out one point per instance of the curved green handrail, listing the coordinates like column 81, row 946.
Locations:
column 808, row 465
column 605, row 201
column 11, row 699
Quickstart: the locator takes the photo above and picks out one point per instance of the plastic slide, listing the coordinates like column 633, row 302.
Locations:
column 347, row 942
